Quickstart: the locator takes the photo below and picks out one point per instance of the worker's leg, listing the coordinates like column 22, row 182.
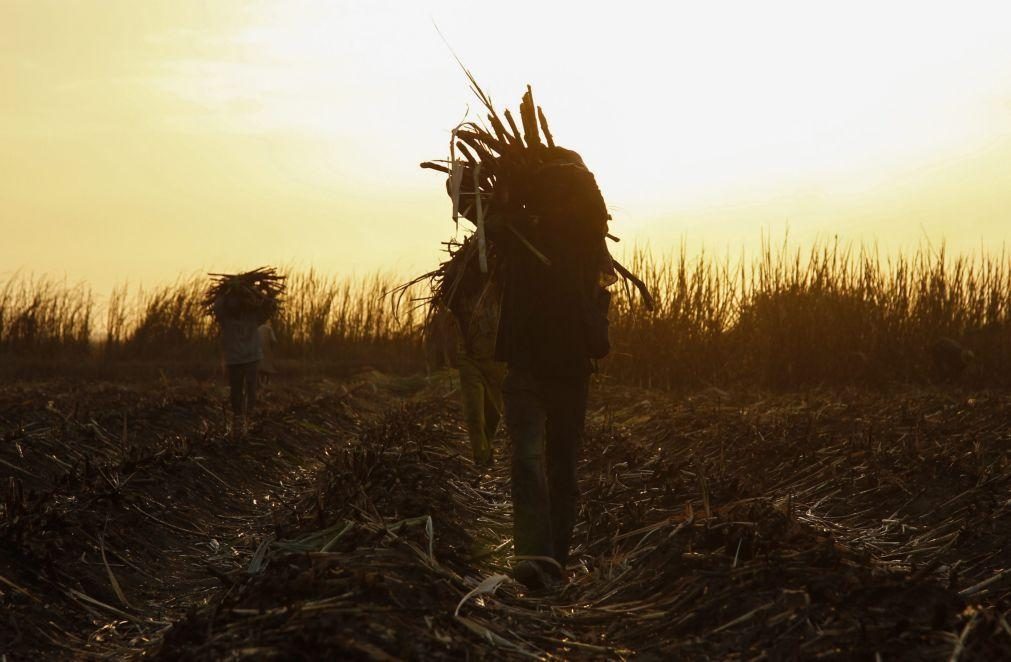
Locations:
column 494, row 374
column 236, row 388
column 472, row 395
column 525, row 417
column 251, row 386
column 237, row 397
column 565, row 401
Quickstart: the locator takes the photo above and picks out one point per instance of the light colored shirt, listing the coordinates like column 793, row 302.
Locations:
column 240, row 335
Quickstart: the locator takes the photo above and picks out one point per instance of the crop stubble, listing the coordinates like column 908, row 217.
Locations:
column 729, row 526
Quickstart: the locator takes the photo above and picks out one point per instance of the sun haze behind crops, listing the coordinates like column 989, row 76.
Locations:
column 142, row 140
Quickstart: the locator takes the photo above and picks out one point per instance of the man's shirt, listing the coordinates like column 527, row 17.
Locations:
column 240, row 335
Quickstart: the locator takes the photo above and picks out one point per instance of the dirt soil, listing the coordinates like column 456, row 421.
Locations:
column 351, row 523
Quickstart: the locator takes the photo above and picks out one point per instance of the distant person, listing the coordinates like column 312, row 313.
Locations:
column 267, row 342
column 239, row 320
column 475, row 306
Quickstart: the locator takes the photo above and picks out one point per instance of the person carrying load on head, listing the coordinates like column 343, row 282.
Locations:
column 553, row 326
column 475, row 306
column 240, row 304
column 540, row 228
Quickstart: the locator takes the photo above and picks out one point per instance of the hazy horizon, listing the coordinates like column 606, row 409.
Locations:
column 150, row 140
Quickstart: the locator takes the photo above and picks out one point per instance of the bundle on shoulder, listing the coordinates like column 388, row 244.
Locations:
column 258, row 292
column 533, row 204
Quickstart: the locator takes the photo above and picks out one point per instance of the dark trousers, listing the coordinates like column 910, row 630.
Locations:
column 545, row 419
column 242, row 386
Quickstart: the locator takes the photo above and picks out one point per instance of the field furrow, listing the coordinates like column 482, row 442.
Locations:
column 351, row 523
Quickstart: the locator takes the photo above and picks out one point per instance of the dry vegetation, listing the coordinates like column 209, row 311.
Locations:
column 353, row 525
column 832, row 315
column 739, row 522
column 45, row 318
column 325, row 320
column 785, row 318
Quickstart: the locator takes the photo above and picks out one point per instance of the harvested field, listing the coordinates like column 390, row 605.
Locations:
column 714, row 525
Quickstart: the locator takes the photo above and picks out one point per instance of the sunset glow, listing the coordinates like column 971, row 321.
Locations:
column 143, row 140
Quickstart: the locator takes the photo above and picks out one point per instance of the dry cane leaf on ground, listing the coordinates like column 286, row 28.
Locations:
column 869, row 523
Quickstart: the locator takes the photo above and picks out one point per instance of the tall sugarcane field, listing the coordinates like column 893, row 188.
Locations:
column 795, row 453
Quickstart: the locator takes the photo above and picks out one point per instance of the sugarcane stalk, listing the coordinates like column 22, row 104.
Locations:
column 500, row 131
column 512, row 125
column 455, row 180
column 482, row 247
column 647, row 298
column 480, row 148
column 478, row 137
column 544, row 127
column 455, row 175
column 429, row 165
column 523, row 240
column 474, row 162
column 529, row 119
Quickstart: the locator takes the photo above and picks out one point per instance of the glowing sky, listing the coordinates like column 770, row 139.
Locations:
column 142, row 139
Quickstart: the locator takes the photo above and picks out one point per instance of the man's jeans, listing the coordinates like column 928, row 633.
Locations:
column 545, row 418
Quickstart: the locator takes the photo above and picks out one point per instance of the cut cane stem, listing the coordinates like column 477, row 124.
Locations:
column 482, row 247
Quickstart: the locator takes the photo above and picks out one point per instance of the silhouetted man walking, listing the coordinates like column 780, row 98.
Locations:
column 553, row 324
column 239, row 323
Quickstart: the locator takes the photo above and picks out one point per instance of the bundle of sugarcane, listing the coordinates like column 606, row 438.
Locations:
column 258, row 291
column 513, row 182
column 458, row 271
